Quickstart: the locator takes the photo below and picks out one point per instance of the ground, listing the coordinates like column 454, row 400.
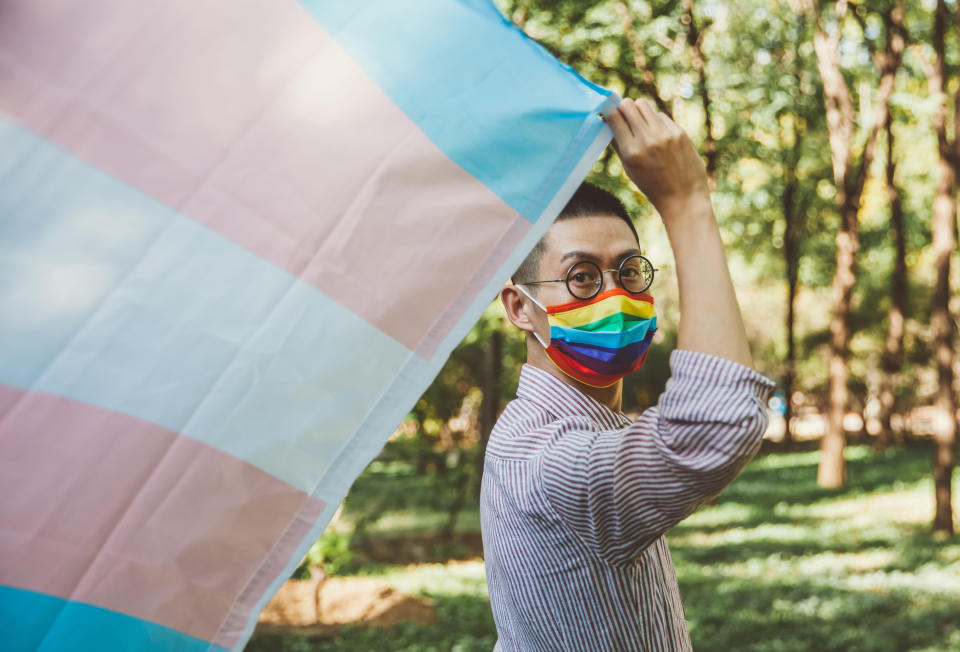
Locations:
column 776, row 564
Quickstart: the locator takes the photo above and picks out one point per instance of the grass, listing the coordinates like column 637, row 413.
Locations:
column 777, row 564
column 459, row 593
column 780, row 564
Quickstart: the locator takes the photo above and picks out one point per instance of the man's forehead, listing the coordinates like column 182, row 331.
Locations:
column 600, row 236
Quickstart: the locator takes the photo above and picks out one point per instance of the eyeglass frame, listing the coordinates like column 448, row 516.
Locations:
column 566, row 279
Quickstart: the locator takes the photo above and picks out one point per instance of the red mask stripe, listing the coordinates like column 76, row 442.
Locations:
column 580, row 303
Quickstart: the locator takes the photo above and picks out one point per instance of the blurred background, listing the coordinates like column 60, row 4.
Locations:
column 830, row 136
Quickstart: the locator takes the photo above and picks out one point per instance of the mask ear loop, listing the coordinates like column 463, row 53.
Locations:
column 539, row 305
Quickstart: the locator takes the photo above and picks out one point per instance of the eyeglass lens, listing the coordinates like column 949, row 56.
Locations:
column 585, row 279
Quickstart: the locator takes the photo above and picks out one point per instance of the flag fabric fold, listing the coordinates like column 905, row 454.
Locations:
column 237, row 241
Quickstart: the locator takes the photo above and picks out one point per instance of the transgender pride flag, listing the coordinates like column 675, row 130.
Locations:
column 237, row 241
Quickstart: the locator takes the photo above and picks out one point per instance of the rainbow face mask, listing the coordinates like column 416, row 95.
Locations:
column 598, row 341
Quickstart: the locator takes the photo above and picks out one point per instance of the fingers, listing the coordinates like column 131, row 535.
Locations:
column 618, row 124
column 631, row 113
column 649, row 114
column 660, row 126
column 669, row 125
column 657, row 155
column 628, row 126
column 638, row 121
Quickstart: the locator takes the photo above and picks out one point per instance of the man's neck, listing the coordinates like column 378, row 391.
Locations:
column 611, row 396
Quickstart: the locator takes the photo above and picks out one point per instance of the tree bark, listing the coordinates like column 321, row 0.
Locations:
column 699, row 63
column 896, row 314
column 490, row 405
column 648, row 82
column 790, row 373
column 793, row 213
column 840, row 123
column 945, row 425
column 791, row 257
column 943, row 243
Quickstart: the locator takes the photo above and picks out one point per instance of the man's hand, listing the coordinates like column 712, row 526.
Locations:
column 659, row 157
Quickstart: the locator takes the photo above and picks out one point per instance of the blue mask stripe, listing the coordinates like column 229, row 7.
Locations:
column 635, row 333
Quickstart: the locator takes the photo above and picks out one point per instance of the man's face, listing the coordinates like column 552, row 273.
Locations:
column 602, row 239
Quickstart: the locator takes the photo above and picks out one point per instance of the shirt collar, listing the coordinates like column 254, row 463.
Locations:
column 563, row 400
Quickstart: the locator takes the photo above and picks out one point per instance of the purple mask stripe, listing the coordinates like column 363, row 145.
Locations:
column 621, row 363
column 586, row 353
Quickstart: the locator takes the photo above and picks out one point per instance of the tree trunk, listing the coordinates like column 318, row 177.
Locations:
column 490, row 405
column 841, row 122
column 943, row 243
column 896, row 315
column 793, row 213
column 699, row 63
column 945, row 425
column 792, row 261
column 790, row 374
column 648, row 82
column 832, row 471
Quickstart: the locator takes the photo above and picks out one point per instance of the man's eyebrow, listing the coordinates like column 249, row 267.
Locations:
column 586, row 255
column 583, row 255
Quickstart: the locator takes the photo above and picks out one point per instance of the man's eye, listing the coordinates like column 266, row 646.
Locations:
column 584, row 275
column 629, row 272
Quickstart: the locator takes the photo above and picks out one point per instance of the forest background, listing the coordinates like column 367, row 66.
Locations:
column 830, row 135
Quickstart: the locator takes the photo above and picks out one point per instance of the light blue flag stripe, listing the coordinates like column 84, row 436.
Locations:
column 120, row 302
column 35, row 622
column 529, row 107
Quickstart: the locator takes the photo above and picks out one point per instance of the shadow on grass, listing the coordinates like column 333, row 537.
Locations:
column 791, row 478
column 733, row 614
column 734, row 552
column 463, row 623
column 755, row 577
column 767, row 489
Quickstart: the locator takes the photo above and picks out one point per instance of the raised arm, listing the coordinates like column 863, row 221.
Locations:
column 659, row 157
column 620, row 490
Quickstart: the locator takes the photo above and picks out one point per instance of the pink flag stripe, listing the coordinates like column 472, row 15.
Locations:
column 255, row 122
column 98, row 504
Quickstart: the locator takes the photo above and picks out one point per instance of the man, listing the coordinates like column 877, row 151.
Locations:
column 575, row 497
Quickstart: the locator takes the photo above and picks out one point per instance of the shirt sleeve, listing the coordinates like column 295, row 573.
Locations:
column 621, row 490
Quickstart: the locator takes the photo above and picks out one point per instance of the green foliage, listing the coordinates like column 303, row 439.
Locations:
column 394, row 486
column 331, row 552
column 763, row 95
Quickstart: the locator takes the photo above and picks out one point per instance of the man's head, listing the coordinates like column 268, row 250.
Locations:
column 587, row 201
column 595, row 227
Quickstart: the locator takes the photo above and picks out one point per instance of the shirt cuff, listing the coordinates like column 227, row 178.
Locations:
column 703, row 387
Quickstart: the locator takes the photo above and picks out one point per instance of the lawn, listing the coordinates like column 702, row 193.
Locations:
column 776, row 564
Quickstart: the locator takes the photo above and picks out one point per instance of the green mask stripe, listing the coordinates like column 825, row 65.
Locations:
column 611, row 323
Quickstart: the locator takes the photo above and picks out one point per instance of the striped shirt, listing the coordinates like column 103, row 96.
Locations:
column 576, row 499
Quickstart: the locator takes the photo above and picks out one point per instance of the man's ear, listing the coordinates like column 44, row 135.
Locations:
column 514, row 303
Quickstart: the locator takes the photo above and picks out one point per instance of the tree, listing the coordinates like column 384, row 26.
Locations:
column 850, row 174
column 896, row 314
column 698, row 61
column 948, row 167
column 771, row 160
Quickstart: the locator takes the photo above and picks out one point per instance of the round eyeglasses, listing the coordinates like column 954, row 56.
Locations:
column 584, row 279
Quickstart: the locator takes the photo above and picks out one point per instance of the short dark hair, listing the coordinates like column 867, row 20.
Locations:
column 587, row 201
